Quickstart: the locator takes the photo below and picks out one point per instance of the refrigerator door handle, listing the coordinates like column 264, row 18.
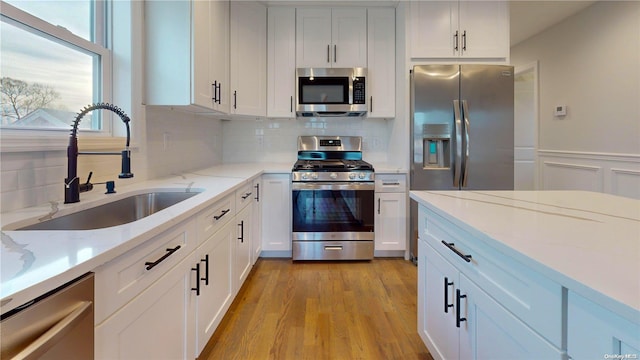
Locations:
column 465, row 114
column 458, row 158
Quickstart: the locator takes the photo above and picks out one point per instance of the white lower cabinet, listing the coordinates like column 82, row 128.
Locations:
column 159, row 323
column 276, row 214
column 165, row 298
column 216, row 290
column 256, row 228
column 391, row 212
column 458, row 320
column 242, row 247
column 598, row 333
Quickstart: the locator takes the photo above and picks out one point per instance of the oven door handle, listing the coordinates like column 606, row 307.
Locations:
column 310, row 186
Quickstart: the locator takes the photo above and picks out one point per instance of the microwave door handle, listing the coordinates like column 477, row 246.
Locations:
column 465, row 114
column 458, row 156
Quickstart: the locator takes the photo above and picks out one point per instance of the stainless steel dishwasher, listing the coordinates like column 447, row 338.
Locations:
column 56, row 325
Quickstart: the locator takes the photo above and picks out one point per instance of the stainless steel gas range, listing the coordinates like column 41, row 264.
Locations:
column 333, row 200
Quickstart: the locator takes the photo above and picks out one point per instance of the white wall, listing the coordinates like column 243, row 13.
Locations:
column 591, row 63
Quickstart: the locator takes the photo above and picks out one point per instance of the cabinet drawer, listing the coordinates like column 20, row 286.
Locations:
column 214, row 217
column 244, row 196
column 533, row 298
column 120, row 280
column 391, row 183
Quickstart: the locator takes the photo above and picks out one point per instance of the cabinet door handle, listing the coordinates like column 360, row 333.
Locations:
column 257, row 192
column 458, row 318
column 197, row 288
column 215, row 91
column 246, row 195
column 447, row 283
column 464, row 40
column 328, row 55
column 241, row 238
column 206, row 269
column 151, row 264
column 219, row 97
column 371, row 103
column 455, row 41
column 378, row 206
column 235, row 99
column 224, row 212
column 291, row 104
column 466, row 258
column 335, row 53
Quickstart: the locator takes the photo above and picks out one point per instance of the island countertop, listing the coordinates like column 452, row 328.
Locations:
column 586, row 241
column 37, row 261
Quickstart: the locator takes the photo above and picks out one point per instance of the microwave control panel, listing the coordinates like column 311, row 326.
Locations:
column 359, row 94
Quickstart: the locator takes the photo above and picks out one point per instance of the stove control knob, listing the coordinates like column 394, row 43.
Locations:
column 362, row 175
column 304, row 176
column 314, row 176
column 333, row 175
column 352, row 176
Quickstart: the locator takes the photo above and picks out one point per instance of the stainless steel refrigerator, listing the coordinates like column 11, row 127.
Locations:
column 461, row 132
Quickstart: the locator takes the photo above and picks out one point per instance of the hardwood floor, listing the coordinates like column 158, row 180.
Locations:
column 322, row 310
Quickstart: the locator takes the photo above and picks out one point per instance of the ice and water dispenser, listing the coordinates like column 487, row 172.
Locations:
column 436, row 140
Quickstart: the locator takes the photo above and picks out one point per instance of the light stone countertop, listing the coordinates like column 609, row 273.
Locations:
column 586, row 241
column 35, row 262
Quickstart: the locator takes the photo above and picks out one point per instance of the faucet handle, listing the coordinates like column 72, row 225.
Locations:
column 88, row 186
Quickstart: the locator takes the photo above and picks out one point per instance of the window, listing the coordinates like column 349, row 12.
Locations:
column 54, row 61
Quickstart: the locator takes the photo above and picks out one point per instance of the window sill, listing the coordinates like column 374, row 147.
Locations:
column 24, row 143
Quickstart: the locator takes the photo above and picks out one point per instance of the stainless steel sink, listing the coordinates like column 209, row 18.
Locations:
column 123, row 211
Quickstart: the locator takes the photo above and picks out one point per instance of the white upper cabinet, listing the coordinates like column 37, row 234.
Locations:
column 464, row 29
column 381, row 68
column 183, row 43
column 248, row 49
column 331, row 37
column 219, row 45
column 281, row 62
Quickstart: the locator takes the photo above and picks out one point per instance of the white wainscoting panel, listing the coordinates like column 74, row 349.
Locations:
column 617, row 174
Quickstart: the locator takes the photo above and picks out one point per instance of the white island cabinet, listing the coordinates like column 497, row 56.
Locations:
column 509, row 274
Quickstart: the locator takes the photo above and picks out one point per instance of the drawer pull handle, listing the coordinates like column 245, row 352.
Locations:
column 151, row 264
column 336, row 248
column 391, row 183
column 197, row 288
column 458, row 318
column 464, row 257
column 246, row 195
column 224, row 212
column 447, row 283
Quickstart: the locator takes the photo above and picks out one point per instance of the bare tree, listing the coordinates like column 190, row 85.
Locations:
column 20, row 98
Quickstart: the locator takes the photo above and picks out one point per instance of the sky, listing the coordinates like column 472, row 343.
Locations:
column 31, row 58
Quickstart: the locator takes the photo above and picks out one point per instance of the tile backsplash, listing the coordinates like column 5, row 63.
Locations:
column 275, row 140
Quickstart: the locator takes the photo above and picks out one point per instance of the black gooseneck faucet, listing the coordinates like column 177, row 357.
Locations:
column 72, row 186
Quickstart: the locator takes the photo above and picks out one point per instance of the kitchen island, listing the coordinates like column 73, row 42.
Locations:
column 556, row 272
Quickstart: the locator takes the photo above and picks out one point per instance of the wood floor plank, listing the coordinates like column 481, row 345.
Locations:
column 322, row 310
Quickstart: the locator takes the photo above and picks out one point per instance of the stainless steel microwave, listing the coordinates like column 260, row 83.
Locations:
column 322, row 92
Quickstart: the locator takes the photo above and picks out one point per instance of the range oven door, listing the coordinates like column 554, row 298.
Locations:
column 333, row 221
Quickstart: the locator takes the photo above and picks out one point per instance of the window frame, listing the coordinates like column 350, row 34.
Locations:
column 16, row 140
